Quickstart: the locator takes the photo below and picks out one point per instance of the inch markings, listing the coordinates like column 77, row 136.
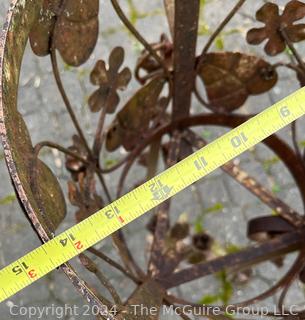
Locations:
column 111, row 218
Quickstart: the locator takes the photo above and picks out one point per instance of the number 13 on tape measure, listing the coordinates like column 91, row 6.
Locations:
column 85, row 234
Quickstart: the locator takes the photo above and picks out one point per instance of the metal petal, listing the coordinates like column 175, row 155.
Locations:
column 124, row 78
column 97, row 100
column 75, row 41
column 294, row 10
column 268, row 12
column 116, row 60
column 296, row 33
column 257, row 35
column 99, row 75
column 275, row 45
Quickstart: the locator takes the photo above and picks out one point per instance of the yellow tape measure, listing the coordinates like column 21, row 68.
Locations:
column 85, row 234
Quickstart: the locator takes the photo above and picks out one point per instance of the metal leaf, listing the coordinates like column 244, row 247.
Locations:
column 76, row 30
column 268, row 12
column 73, row 26
column 49, row 195
column 51, row 5
column 75, row 166
column 75, row 40
column 21, row 18
column 230, row 78
column 102, row 97
column 196, row 256
column 152, row 294
column 41, row 186
column 202, row 241
column 41, row 34
column 81, row 10
column 133, row 120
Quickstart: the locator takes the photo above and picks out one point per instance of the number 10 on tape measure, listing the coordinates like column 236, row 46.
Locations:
column 85, row 234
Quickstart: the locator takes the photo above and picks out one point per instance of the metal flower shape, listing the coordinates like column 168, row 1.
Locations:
column 275, row 24
column 109, row 81
column 73, row 27
column 83, row 196
column 148, row 64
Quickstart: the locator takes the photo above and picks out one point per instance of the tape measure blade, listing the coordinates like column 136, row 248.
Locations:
column 75, row 240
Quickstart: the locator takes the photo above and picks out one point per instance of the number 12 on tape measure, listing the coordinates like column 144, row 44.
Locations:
column 85, row 234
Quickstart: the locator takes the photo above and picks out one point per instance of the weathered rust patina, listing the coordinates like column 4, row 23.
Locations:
column 167, row 72
column 42, row 199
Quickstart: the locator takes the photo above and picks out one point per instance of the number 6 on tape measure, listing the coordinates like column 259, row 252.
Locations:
column 285, row 111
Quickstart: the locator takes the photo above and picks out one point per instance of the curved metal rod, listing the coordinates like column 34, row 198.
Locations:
column 139, row 37
column 73, row 116
column 286, row 279
column 279, row 147
column 287, row 287
column 219, row 29
column 206, row 309
column 208, row 119
column 58, row 147
column 65, row 98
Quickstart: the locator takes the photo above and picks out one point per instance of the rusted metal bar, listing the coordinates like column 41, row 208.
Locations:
column 278, row 146
column 185, row 40
column 281, row 245
column 247, row 181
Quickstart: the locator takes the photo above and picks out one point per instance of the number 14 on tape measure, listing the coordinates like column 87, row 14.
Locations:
column 85, row 234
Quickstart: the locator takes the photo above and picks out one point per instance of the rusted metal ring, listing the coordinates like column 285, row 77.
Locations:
column 18, row 149
column 266, row 227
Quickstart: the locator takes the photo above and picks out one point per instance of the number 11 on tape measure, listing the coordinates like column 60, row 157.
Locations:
column 85, row 234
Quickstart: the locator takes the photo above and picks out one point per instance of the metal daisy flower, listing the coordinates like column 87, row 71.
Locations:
column 109, row 81
column 275, row 24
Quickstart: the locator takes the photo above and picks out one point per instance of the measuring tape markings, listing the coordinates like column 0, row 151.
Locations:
column 85, row 234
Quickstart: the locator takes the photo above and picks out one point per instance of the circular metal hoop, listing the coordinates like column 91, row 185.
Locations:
column 16, row 140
